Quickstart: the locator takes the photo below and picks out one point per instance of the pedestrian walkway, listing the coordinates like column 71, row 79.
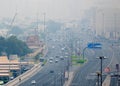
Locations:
column 107, row 81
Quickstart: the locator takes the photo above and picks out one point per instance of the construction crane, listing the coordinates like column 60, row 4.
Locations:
column 11, row 23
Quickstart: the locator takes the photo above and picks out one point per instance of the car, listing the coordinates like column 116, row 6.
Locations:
column 50, row 61
column 62, row 49
column 1, row 83
column 33, row 82
column 57, row 56
column 11, row 78
column 56, row 60
column 51, row 71
column 61, row 57
column 51, row 58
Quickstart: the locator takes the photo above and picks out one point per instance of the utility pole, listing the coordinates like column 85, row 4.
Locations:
column 115, row 27
column 44, row 14
column 103, row 24
column 101, row 69
column 84, row 53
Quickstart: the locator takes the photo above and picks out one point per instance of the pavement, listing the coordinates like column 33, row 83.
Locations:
column 107, row 81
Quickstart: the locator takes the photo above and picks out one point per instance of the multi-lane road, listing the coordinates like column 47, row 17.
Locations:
column 86, row 75
column 53, row 73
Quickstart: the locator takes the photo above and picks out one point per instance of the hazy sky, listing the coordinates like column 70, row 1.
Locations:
column 54, row 9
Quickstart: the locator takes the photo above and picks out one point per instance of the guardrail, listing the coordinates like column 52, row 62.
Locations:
column 18, row 80
column 24, row 76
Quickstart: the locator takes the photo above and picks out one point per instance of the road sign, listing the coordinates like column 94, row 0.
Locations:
column 107, row 69
column 94, row 45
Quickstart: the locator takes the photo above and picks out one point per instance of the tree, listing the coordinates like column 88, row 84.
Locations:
column 12, row 45
column 2, row 45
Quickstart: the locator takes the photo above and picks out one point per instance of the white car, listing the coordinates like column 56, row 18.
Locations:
column 50, row 61
column 56, row 60
column 33, row 82
column 11, row 78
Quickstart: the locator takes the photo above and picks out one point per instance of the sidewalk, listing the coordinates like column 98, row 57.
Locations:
column 107, row 81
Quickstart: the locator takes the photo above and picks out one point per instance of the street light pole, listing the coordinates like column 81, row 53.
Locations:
column 101, row 68
column 84, row 52
column 101, row 61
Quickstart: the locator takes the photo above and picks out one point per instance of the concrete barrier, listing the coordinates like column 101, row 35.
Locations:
column 18, row 80
column 24, row 76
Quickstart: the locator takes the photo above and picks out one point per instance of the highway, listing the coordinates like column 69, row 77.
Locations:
column 53, row 73
column 86, row 76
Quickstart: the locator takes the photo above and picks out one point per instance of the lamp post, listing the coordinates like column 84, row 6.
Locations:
column 84, row 52
column 101, row 60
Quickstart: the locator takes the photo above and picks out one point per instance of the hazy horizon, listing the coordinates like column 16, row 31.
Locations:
column 54, row 9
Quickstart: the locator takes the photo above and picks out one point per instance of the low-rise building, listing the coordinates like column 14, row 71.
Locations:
column 6, row 65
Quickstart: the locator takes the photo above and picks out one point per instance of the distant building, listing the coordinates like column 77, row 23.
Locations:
column 7, row 65
column 33, row 42
column 105, row 21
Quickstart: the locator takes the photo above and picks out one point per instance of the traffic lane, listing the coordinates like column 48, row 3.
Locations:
column 56, row 70
column 56, row 80
column 41, row 74
column 86, row 78
column 55, row 74
column 80, row 76
column 83, row 73
column 58, row 74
